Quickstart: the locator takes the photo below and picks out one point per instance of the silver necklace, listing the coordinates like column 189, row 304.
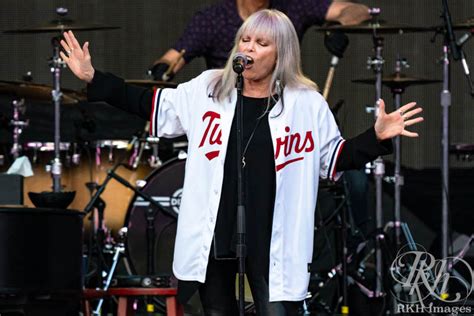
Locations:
column 250, row 140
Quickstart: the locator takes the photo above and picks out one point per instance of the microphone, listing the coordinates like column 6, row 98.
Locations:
column 240, row 61
column 464, row 38
column 459, row 43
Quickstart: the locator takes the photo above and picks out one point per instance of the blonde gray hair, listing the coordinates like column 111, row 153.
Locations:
column 287, row 72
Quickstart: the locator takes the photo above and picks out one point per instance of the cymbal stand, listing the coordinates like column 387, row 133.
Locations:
column 376, row 63
column 398, row 179
column 18, row 125
column 56, row 64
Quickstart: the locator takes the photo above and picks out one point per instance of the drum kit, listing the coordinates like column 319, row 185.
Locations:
column 139, row 156
column 163, row 187
column 385, row 246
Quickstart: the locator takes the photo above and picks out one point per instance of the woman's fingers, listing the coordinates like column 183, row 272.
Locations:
column 411, row 113
column 413, row 121
column 409, row 134
column 68, row 39
column 74, row 41
column 64, row 57
column 406, row 107
column 381, row 107
column 85, row 49
column 65, row 45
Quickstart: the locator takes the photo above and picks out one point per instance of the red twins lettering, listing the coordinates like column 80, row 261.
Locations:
column 212, row 134
column 293, row 143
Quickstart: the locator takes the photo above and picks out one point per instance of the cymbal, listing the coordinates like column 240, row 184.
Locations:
column 369, row 26
column 151, row 83
column 398, row 80
column 38, row 92
column 61, row 26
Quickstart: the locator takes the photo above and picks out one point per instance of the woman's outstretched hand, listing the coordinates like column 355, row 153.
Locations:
column 76, row 57
column 394, row 124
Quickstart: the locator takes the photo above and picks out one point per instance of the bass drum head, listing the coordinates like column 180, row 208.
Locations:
column 165, row 185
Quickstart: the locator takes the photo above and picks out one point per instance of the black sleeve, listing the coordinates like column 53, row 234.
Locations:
column 109, row 88
column 362, row 149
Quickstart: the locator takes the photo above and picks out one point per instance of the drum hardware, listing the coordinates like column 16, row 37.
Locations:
column 38, row 92
column 375, row 63
column 119, row 249
column 56, row 64
column 164, row 185
column 347, row 271
column 154, row 159
column 137, row 154
column 398, row 80
column 151, row 210
column 153, row 142
column 150, row 215
column 61, row 25
column 18, row 125
column 76, row 156
column 375, row 25
column 109, row 146
column 462, row 151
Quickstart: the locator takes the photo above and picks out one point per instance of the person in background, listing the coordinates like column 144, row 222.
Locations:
column 211, row 31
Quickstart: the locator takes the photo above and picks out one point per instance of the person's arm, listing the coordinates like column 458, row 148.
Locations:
column 172, row 58
column 362, row 149
column 347, row 13
column 377, row 140
column 104, row 87
column 113, row 90
column 193, row 41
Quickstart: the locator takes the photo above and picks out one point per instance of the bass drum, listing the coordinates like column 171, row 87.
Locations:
column 165, row 185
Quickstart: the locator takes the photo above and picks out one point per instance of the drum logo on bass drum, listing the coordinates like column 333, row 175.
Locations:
column 170, row 202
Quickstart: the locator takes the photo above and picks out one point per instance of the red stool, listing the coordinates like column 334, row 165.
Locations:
column 125, row 303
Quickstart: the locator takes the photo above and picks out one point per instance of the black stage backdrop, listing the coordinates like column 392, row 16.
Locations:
column 149, row 27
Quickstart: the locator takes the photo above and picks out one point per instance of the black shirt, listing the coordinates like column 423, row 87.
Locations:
column 259, row 184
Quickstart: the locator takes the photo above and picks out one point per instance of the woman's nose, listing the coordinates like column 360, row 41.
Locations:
column 249, row 46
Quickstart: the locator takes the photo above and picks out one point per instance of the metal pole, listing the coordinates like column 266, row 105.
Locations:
column 445, row 104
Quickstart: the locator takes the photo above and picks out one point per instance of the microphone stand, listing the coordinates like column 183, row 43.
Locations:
column 241, row 250
column 445, row 100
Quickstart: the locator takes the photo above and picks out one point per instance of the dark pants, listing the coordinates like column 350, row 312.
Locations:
column 218, row 293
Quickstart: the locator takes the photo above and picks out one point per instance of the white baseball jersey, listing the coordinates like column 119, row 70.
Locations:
column 306, row 142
